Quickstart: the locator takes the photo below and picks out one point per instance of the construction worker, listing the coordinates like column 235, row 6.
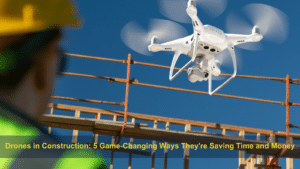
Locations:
column 30, row 57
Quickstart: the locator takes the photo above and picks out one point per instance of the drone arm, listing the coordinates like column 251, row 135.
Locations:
column 176, row 56
column 236, row 39
column 192, row 12
column 231, row 50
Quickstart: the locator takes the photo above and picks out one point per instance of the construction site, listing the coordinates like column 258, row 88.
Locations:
column 128, row 127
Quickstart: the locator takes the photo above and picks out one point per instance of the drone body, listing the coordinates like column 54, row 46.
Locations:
column 206, row 41
column 201, row 47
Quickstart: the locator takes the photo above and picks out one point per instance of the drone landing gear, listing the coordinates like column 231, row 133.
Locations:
column 176, row 56
column 232, row 53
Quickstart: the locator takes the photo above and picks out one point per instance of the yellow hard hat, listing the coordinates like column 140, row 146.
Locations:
column 24, row 16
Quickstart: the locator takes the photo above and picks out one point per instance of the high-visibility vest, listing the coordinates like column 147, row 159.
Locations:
column 24, row 144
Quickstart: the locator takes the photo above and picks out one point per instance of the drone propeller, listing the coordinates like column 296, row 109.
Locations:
column 176, row 9
column 138, row 39
column 272, row 22
column 218, row 77
column 225, row 60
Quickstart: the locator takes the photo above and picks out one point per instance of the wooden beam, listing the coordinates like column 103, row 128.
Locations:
column 186, row 153
column 250, row 162
column 205, row 129
column 224, row 132
column 259, row 158
column 214, row 134
column 289, row 161
column 113, row 129
column 267, row 166
column 272, row 139
column 131, row 142
column 242, row 152
column 166, row 149
column 283, row 134
column 113, row 140
column 75, row 132
column 51, row 113
column 153, row 151
column 170, row 120
column 130, row 151
column 82, row 121
column 96, row 136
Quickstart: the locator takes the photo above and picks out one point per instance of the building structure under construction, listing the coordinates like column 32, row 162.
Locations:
column 129, row 128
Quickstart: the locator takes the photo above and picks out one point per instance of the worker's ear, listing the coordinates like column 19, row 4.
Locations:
column 45, row 69
column 41, row 75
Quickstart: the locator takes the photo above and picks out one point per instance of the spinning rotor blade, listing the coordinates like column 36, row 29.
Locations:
column 176, row 9
column 237, row 25
column 225, row 59
column 218, row 77
column 214, row 8
column 272, row 22
column 138, row 39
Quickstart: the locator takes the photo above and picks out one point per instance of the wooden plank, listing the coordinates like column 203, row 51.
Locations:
column 186, row 153
column 75, row 132
column 131, row 142
column 250, row 162
column 160, row 134
column 224, row 132
column 289, row 161
column 259, row 158
column 266, row 159
column 130, row 151
column 282, row 134
column 170, row 120
column 214, row 134
column 68, row 126
column 205, row 129
column 138, row 152
column 113, row 140
column 166, row 149
column 271, row 140
column 153, row 151
column 96, row 136
column 85, row 121
column 265, row 166
column 242, row 152
column 51, row 113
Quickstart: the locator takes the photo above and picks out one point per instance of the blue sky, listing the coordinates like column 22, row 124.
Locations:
column 100, row 36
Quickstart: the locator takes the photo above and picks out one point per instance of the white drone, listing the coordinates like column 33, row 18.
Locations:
column 204, row 44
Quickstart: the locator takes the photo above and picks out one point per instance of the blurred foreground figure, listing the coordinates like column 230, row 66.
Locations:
column 29, row 61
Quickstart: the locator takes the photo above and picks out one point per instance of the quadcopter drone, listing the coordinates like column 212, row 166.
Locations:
column 202, row 46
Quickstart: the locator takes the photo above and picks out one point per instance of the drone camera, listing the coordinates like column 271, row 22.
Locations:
column 206, row 47
column 194, row 74
column 212, row 50
column 206, row 75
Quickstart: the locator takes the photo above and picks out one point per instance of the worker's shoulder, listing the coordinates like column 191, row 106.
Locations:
column 31, row 146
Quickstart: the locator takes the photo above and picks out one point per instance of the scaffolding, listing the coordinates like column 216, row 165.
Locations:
column 118, row 129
